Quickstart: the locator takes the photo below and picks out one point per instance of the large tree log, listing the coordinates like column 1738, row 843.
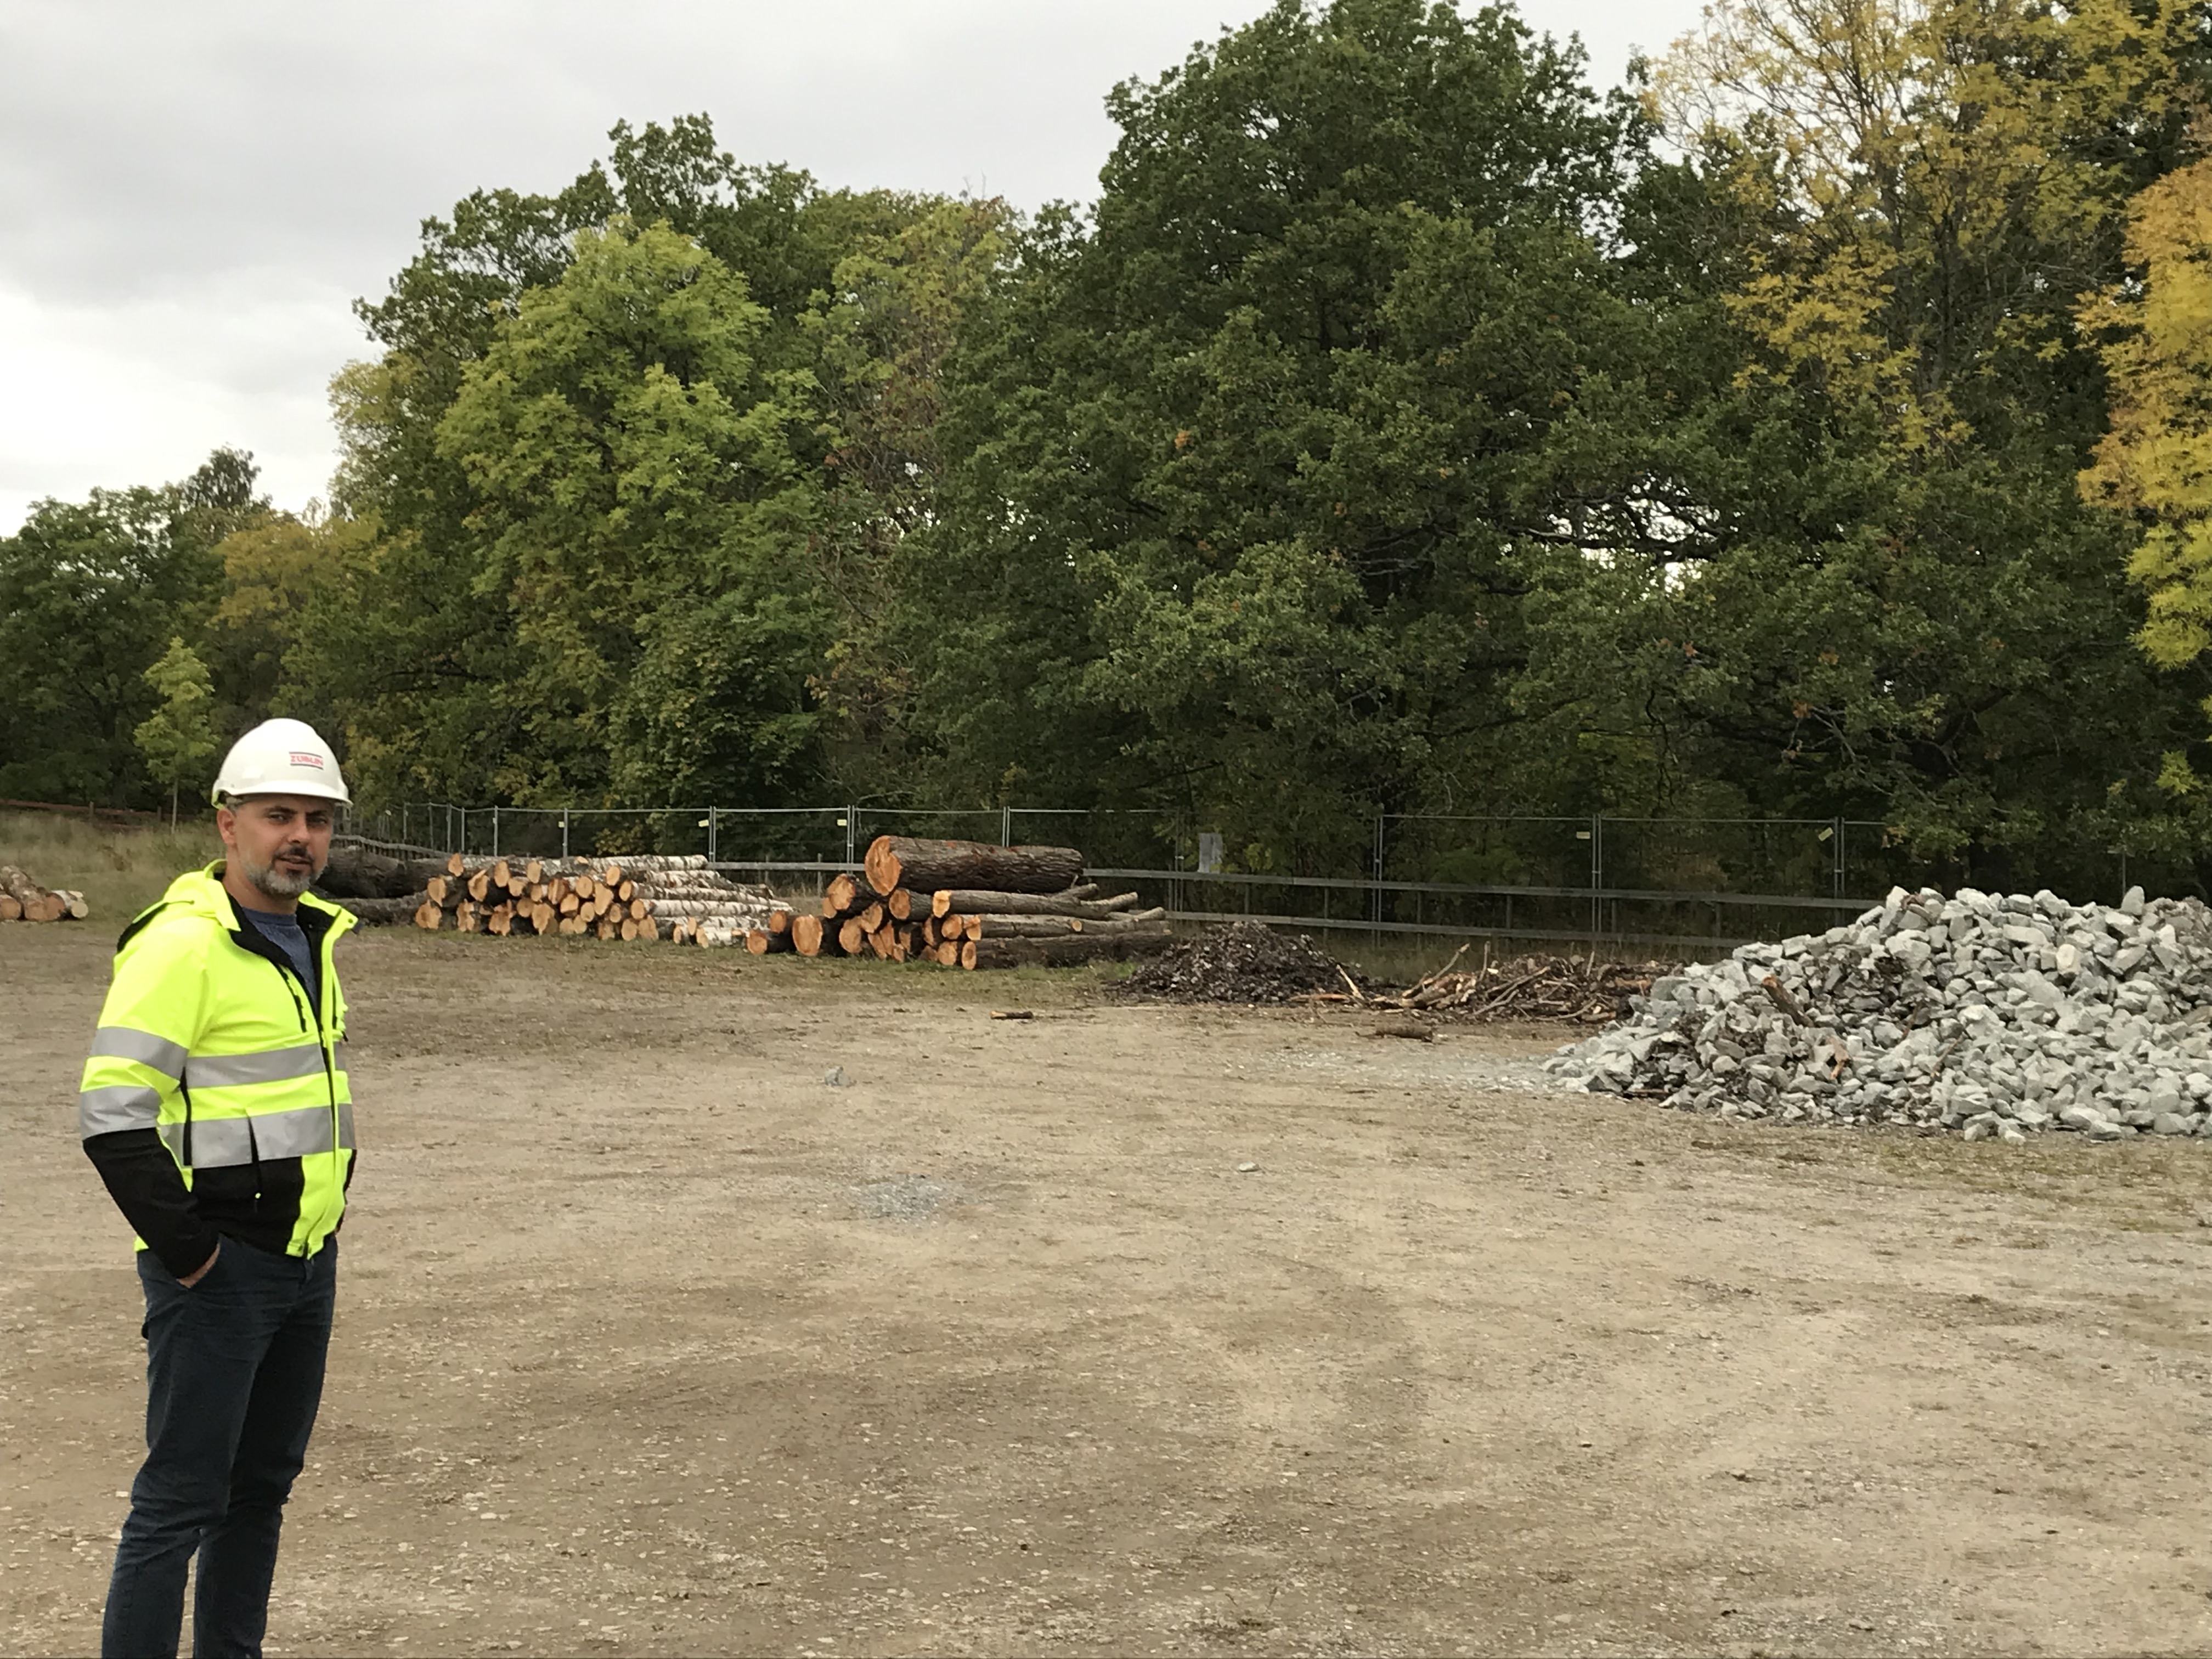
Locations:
column 851, row 938
column 844, row 895
column 1059, row 926
column 1069, row 952
column 39, row 904
column 969, row 903
column 387, row 912
column 357, row 872
column 753, row 915
column 11, row 908
column 896, row 861
column 806, row 935
column 761, row 942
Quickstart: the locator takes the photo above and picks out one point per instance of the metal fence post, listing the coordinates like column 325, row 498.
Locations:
column 713, row 813
column 494, row 832
column 564, row 832
column 1006, row 826
column 1374, row 893
column 1838, row 893
column 1597, row 875
column 852, row 821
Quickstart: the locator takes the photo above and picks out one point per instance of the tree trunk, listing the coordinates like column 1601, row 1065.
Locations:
column 896, row 861
column 387, row 912
column 1060, row 926
column 806, row 935
column 761, row 942
column 851, row 938
column 844, row 895
column 39, row 904
column 970, row 902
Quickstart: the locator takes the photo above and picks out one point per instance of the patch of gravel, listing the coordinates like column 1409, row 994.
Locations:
column 1244, row 962
column 912, row 1198
column 2002, row 1015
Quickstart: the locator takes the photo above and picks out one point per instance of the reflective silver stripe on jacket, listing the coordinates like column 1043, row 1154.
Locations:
column 272, row 1066
column 128, row 1042
column 117, row 1106
column 345, row 1125
column 225, row 1142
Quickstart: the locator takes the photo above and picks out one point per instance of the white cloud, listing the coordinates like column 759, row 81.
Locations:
column 139, row 391
column 193, row 194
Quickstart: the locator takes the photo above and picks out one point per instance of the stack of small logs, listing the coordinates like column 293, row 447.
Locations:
column 22, row 899
column 675, row 897
column 968, row 904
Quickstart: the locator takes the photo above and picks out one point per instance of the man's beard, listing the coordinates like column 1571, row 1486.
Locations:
column 278, row 882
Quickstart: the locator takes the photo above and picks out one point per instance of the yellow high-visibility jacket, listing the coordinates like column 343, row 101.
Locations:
column 215, row 1101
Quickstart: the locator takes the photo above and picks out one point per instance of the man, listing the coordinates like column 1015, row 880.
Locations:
column 216, row 1107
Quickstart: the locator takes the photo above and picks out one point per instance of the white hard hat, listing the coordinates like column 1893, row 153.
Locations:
column 281, row 757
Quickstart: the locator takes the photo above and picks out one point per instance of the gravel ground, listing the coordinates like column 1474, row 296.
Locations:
column 652, row 1342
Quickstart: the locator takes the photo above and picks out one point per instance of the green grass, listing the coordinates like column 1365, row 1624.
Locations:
column 119, row 870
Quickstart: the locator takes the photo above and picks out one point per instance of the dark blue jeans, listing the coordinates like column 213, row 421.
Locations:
column 233, row 1375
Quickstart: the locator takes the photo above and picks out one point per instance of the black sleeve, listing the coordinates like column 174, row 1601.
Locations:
column 144, row 1182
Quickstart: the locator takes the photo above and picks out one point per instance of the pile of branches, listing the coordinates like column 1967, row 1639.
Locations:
column 1582, row 989
column 1245, row 962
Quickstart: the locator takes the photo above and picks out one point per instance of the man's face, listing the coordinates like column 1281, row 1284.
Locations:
column 279, row 843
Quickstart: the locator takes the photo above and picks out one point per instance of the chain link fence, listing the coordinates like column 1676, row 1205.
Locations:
column 1690, row 884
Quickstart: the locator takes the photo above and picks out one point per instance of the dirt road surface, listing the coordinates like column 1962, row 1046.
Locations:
column 651, row 1342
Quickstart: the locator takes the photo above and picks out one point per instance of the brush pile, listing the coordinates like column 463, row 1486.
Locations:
column 1582, row 989
column 22, row 899
column 671, row 898
column 1245, row 962
column 970, row 904
column 2000, row 1016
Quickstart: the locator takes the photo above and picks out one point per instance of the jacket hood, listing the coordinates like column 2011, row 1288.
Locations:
column 201, row 893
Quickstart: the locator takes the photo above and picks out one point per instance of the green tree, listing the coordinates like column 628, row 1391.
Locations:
column 634, row 473
column 1247, row 466
column 417, row 645
column 177, row 738
column 90, row 592
column 1892, row 602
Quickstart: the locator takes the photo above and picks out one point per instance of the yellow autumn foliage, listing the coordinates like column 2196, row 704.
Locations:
column 1897, row 145
column 2155, row 461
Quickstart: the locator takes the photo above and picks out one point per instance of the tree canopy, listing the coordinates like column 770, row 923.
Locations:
column 1814, row 427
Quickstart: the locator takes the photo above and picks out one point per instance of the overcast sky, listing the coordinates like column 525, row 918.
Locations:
column 191, row 195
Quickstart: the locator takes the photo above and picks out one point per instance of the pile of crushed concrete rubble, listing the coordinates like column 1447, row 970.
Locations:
column 2000, row 1016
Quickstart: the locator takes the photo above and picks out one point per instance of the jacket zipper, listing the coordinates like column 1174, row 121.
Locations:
column 291, row 977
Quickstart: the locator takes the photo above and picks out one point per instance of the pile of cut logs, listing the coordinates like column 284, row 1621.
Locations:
column 648, row 897
column 22, row 899
column 968, row 904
